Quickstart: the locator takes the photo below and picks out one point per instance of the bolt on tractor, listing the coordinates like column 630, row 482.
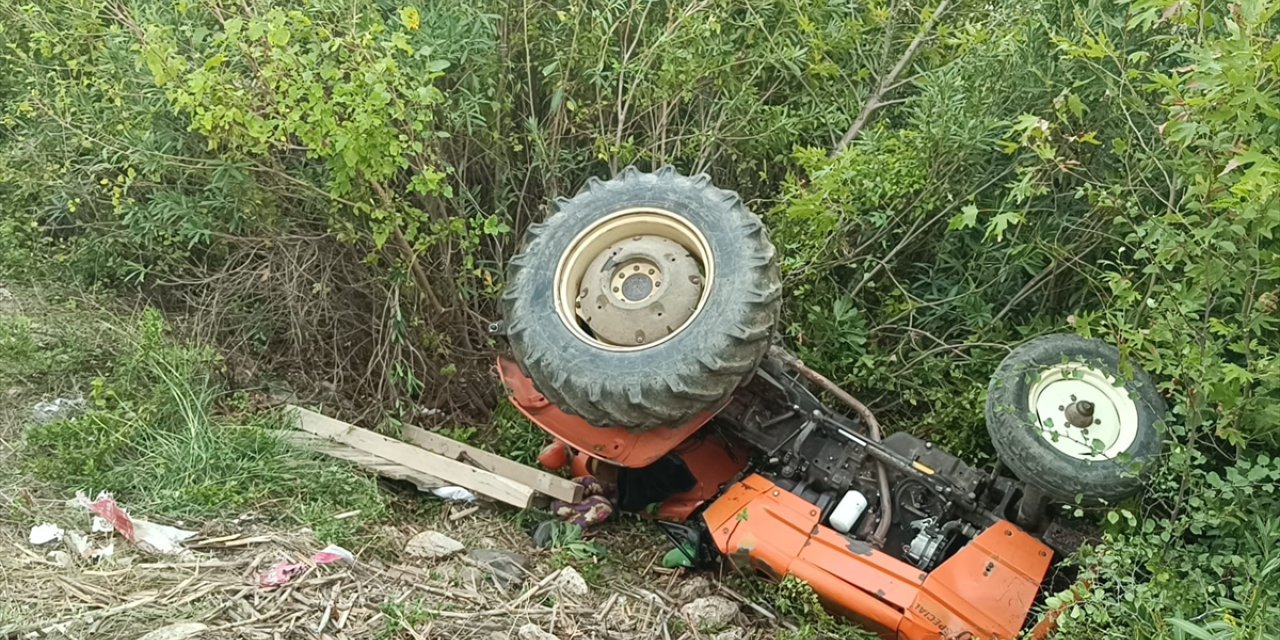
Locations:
column 641, row 323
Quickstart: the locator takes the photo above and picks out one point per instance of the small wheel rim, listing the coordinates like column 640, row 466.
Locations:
column 633, row 279
column 1112, row 426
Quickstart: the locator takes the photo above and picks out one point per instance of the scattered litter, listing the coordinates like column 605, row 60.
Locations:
column 60, row 558
column 432, row 545
column 79, row 544
column 454, row 493
column 102, row 553
column 332, row 554
column 58, row 410
column 149, row 536
column 84, row 548
column 280, row 574
column 177, row 631
column 347, row 514
column 100, row 525
column 45, row 533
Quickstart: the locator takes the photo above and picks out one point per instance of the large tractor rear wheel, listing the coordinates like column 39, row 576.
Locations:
column 644, row 300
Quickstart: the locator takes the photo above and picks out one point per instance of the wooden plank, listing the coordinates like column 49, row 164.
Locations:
column 380, row 466
column 541, row 481
column 474, row 478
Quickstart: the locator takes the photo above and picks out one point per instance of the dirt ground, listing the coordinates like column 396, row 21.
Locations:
column 214, row 591
column 217, row 588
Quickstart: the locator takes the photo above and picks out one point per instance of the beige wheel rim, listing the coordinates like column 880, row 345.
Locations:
column 634, row 279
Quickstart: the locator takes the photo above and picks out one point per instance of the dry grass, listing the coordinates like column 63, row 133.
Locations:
column 392, row 597
column 385, row 595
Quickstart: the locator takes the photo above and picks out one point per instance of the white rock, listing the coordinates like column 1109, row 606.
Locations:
column 711, row 612
column 532, row 631
column 44, row 534
column 432, row 545
column 571, row 582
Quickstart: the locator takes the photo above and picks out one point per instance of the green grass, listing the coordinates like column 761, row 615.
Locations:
column 514, row 436
column 399, row 618
column 154, row 436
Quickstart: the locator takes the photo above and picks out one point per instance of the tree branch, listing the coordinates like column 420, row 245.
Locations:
column 889, row 81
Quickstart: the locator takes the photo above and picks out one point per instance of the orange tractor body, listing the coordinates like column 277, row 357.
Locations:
column 984, row 590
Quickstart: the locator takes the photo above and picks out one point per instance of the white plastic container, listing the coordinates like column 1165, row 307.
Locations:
column 846, row 514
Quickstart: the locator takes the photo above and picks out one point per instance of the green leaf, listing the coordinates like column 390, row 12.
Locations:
column 278, row 36
column 1190, row 629
column 1075, row 105
column 967, row 218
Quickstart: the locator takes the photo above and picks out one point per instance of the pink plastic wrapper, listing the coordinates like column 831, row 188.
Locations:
column 158, row 538
column 105, row 507
column 280, row 574
column 332, row 554
column 283, row 573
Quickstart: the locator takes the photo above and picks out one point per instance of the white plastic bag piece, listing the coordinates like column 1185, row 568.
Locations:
column 160, row 538
column 44, row 534
column 333, row 554
column 454, row 493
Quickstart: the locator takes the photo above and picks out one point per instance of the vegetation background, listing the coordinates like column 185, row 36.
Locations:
column 329, row 189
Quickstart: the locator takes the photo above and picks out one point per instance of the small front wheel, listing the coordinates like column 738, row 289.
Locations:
column 1067, row 420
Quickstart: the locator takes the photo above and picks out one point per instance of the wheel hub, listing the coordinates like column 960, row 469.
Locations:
column 1083, row 412
column 639, row 290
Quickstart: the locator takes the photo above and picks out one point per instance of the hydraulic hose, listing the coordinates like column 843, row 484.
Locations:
column 873, row 431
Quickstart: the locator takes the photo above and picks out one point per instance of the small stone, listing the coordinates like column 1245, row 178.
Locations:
column 692, row 588
column 508, row 569
column 532, row 631
column 432, row 545
column 710, row 612
column 732, row 633
column 571, row 582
